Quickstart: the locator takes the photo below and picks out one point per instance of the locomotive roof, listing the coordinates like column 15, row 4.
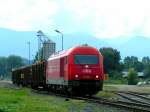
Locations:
column 66, row 52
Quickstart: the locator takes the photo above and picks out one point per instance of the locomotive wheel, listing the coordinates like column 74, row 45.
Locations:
column 34, row 86
column 69, row 91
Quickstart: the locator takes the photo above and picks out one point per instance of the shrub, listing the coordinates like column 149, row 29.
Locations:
column 132, row 77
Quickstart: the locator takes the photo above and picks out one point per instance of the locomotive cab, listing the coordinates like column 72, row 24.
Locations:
column 86, row 70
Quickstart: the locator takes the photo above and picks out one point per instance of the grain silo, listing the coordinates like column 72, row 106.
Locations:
column 48, row 49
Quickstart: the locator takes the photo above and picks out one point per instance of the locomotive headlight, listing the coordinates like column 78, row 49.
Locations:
column 76, row 76
column 97, row 76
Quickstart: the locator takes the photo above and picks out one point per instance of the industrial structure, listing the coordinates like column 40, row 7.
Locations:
column 46, row 47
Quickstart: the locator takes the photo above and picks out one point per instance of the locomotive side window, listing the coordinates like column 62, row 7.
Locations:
column 86, row 59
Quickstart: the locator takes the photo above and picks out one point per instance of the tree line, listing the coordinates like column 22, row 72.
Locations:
column 113, row 64
column 8, row 63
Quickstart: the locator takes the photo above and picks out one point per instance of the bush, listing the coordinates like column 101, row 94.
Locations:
column 115, row 77
column 132, row 77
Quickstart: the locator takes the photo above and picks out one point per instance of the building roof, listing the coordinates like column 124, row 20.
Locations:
column 125, row 74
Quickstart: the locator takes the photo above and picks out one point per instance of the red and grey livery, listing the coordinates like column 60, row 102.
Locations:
column 76, row 70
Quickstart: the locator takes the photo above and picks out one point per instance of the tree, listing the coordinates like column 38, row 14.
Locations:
column 146, row 61
column 132, row 77
column 111, row 59
column 39, row 56
column 14, row 62
column 146, row 64
column 139, row 66
column 147, row 71
column 132, row 62
column 3, row 66
column 36, row 58
column 7, row 63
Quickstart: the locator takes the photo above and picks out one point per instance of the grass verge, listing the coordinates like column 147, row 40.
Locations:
column 22, row 100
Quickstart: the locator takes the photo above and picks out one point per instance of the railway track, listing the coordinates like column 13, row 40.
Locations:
column 134, row 97
column 138, row 93
column 135, row 107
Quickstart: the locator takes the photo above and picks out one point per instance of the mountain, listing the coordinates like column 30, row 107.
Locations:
column 15, row 42
column 78, row 39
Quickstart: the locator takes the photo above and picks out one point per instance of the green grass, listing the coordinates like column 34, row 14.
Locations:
column 104, row 94
column 23, row 100
column 124, row 87
column 110, row 87
column 116, row 81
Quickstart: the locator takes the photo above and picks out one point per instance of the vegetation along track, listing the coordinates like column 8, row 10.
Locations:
column 135, row 107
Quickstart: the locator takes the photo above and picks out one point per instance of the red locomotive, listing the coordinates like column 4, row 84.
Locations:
column 77, row 70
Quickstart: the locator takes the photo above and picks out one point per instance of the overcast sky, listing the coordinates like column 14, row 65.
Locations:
column 100, row 18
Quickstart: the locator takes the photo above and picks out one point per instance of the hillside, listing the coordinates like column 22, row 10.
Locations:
column 15, row 42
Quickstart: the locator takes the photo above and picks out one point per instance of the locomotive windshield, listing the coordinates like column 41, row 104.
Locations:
column 86, row 59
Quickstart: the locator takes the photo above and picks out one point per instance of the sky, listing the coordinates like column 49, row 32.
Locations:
column 100, row 18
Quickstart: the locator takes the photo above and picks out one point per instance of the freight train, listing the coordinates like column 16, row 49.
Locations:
column 76, row 70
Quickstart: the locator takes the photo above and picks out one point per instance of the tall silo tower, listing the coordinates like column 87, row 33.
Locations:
column 48, row 48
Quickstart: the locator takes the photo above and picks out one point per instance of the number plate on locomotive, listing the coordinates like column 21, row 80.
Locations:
column 87, row 71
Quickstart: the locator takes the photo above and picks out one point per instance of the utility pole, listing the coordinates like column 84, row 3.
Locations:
column 29, row 51
column 61, row 36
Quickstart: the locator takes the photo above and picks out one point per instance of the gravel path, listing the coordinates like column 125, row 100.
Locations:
column 7, row 84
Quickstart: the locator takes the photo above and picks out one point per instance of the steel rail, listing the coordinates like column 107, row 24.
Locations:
column 135, row 107
column 131, row 99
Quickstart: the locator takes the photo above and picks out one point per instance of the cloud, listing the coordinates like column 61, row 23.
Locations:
column 100, row 18
column 26, row 14
column 112, row 18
